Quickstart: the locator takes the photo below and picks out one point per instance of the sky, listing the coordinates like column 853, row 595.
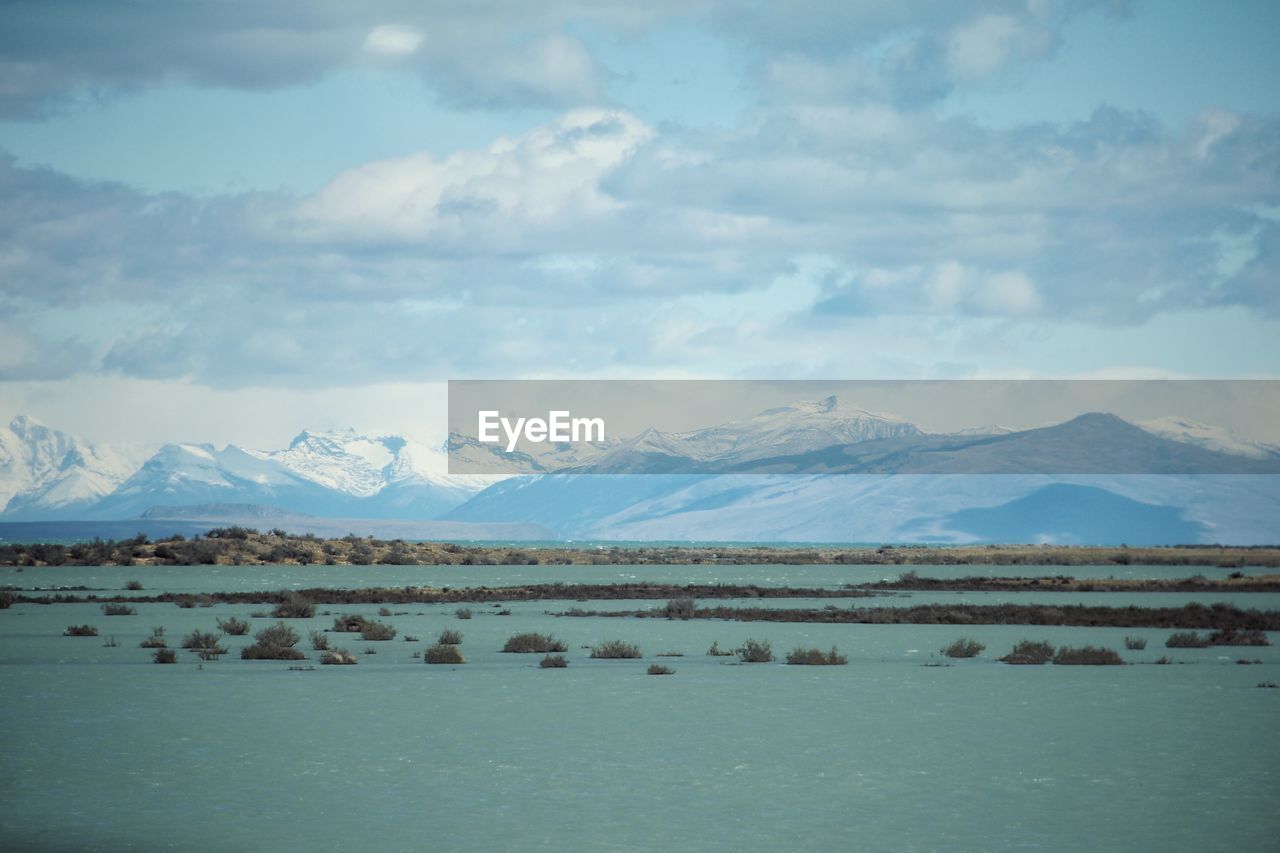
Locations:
column 229, row 222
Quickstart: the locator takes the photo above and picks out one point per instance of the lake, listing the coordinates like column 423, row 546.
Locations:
column 105, row 750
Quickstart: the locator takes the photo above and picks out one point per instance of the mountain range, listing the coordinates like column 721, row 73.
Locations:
column 46, row 474
column 820, row 471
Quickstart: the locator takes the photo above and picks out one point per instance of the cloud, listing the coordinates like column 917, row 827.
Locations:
column 594, row 243
column 507, row 197
column 58, row 54
column 393, row 40
column 907, row 55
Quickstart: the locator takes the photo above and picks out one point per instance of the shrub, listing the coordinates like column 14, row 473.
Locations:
column 134, row 585
column 530, row 643
column 384, row 611
column 716, row 651
column 165, row 656
column 1234, row 637
column 1164, row 660
column 200, row 641
column 816, row 657
column 338, row 657
column 615, row 649
column 319, row 641
column 440, row 653
column 1029, row 653
column 1087, row 656
column 294, row 606
column 274, row 643
column 118, row 610
column 351, row 623
column 463, row 613
column 965, row 648
column 681, row 608
column 155, row 641
column 755, row 651
column 111, row 643
column 6, row 600
column 233, row 626
column 449, row 637
column 659, row 669
column 377, row 631
column 80, row 631
column 553, row 662
column 1186, row 640
column 1135, row 644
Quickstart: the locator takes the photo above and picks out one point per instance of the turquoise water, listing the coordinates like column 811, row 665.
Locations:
column 229, row 578
column 105, row 750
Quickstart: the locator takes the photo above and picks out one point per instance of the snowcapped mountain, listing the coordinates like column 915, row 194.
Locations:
column 790, row 430
column 45, row 472
column 1209, row 437
column 321, row 473
column 1110, row 479
column 784, row 431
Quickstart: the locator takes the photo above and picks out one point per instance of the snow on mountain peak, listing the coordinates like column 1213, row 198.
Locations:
column 1209, row 437
column 43, row 468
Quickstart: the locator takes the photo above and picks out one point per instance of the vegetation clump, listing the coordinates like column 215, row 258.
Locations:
column 449, row 637
column 80, row 631
column 816, row 657
column 351, row 623
column 441, row 653
column 1135, row 644
column 203, row 643
column 1186, row 640
column 755, row 651
column 553, row 662
column 133, row 585
column 616, row 649
column 319, row 641
column 112, row 609
column 534, row 643
column 274, row 643
column 716, row 652
column 233, row 626
column 964, row 648
column 165, row 656
column 294, row 606
column 377, row 631
column 1234, row 637
column 681, row 608
column 1029, row 653
column 1087, row 656
column 338, row 657
column 463, row 613
column 659, row 669
column 155, row 641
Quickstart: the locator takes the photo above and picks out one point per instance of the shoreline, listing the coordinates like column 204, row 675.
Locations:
column 247, row 547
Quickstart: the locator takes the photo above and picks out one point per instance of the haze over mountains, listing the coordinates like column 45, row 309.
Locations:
column 1214, row 486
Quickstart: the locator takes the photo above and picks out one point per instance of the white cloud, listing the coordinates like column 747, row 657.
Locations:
column 544, row 180
column 984, row 45
column 393, row 40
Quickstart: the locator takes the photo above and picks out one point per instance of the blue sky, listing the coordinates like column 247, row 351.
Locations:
column 311, row 214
